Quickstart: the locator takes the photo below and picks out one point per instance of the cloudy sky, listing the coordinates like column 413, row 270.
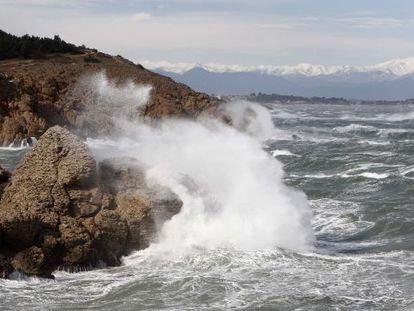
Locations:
column 244, row 32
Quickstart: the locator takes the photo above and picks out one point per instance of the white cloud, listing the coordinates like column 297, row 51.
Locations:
column 34, row 2
column 49, row 3
column 283, row 25
column 252, row 40
column 141, row 16
column 375, row 22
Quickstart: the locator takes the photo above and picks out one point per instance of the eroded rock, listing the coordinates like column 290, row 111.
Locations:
column 145, row 208
column 4, row 180
column 39, row 93
column 59, row 211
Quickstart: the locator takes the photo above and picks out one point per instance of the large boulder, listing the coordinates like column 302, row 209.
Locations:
column 59, row 211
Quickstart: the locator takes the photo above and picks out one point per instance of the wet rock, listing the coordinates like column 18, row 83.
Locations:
column 57, row 211
column 4, row 180
column 144, row 207
column 12, row 130
column 5, row 267
column 136, row 211
column 76, row 241
column 31, row 261
column 111, row 235
column 36, row 205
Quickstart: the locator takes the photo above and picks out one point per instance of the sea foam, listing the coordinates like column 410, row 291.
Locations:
column 232, row 190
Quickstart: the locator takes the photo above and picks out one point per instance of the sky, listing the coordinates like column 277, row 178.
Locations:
column 243, row 32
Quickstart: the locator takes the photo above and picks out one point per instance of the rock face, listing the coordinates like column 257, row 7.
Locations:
column 59, row 210
column 33, row 93
column 4, row 180
column 144, row 209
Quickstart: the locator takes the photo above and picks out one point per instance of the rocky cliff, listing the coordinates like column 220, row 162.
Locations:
column 61, row 209
column 33, row 92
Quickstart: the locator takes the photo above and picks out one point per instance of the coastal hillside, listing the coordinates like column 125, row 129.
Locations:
column 62, row 207
column 35, row 93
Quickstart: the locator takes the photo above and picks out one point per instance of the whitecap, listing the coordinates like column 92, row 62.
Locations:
column 396, row 116
column 355, row 128
column 390, row 117
column 377, row 153
column 374, row 142
column 351, row 173
column 374, row 175
column 407, row 172
column 282, row 152
column 393, row 131
column 338, row 218
column 280, row 114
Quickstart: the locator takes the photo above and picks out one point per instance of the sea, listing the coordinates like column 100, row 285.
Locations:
column 351, row 166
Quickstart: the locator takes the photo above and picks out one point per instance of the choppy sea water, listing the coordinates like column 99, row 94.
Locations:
column 356, row 165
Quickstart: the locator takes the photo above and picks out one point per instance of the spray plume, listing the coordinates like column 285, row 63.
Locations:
column 232, row 190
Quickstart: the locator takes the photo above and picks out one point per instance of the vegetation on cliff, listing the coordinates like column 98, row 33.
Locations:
column 12, row 46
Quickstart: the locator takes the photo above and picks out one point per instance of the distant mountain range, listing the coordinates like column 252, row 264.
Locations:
column 392, row 80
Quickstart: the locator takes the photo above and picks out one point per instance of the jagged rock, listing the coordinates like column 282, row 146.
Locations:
column 31, row 260
column 4, row 179
column 57, row 210
column 37, row 94
column 50, row 88
column 25, row 103
column 12, row 130
column 8, row 87
column 144, row 208
column 136, row 211
column 5, row 266
column 111, row 235
column 36, row 202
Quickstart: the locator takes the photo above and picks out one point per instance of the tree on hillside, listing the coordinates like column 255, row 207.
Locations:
column 32, row 46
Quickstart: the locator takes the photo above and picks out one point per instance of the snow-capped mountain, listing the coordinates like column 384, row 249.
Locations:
column 397, row 67
column 391, row 80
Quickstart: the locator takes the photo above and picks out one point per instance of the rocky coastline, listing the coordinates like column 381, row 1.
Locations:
column 36, row 94
column 59, row 208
